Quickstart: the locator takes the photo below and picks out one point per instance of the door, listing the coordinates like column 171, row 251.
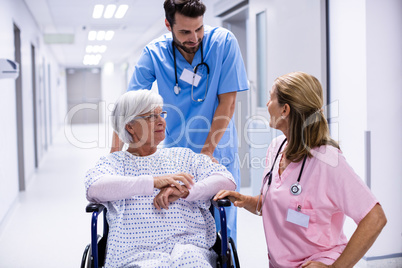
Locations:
column 284, row 36
column 34, row 105
column 19, row 111
column 236, row 21
column 83, row 87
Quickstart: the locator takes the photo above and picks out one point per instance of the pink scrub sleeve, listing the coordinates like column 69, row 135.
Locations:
column 349, row 192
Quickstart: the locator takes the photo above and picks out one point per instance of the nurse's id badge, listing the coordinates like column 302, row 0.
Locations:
column 190, row 77
column 298, row 218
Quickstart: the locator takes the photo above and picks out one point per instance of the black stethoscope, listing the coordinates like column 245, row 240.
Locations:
column 176, row 88
column 295, row 188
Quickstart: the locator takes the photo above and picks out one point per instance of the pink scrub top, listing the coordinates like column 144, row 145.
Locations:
column 331, row 190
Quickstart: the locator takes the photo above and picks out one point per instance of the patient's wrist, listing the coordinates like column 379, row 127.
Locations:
column 185, row 192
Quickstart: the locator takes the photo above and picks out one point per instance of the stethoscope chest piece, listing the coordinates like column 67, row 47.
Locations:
column 176, row 89
column 296, row 189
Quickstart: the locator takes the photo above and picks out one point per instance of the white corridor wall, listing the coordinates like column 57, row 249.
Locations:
column 366, row 94
column 54, row 97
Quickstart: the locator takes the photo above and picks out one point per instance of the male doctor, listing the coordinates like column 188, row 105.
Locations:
column 199, row 70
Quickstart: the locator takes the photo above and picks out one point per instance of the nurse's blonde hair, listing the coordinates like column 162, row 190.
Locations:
column 130, row 105
column 308, row 127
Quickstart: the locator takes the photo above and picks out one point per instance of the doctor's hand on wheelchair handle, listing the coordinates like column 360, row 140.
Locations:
column 210, row 155
column 173, row 180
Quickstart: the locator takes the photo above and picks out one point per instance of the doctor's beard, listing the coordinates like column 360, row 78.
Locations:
column 182, row 46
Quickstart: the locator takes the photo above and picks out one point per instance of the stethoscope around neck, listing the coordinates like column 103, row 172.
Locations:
column 295, row 189
column 176, row 88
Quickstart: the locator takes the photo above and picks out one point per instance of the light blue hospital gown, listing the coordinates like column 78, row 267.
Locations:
column 142, row 236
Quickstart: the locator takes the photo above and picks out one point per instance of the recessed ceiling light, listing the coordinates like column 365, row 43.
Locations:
column 91, row 59
column 121, row 11
column 100, row 35
column 92, row 35
column 96, row 49
column 98, row 10
column 89, row 49
column 109, row 12
column 109, row 35
column 102, row 49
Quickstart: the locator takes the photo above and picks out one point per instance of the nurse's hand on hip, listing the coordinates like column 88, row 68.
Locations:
column 315, row 264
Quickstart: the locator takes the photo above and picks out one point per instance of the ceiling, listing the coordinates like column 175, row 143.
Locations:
column 143, row 21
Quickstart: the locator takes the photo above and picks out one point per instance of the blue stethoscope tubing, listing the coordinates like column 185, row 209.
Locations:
column 176, row 88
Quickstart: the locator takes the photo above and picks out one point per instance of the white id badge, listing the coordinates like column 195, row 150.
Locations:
column 189, row 76
column 298, row 218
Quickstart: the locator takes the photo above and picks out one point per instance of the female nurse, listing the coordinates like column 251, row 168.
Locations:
column 309, row 187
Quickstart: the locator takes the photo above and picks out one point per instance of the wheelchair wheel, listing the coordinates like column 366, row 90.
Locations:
column 87, row 259
column 85, row 255
column 235, row 256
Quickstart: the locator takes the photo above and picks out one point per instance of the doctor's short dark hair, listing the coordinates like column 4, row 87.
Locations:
column 188, row 8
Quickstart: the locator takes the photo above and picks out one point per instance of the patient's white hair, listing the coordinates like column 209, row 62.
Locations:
column 130, row 105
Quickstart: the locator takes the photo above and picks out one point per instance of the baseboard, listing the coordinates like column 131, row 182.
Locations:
column 389, row 261
column 4, row 221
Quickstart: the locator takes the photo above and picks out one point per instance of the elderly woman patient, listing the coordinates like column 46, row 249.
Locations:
column 157, row 199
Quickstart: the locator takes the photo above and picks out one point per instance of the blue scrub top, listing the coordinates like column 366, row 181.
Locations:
column 188, row 122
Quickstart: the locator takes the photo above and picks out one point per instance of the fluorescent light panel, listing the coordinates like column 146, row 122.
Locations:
column 121, row 11
column 109, row 11
column 100, row 35
column 98, row 11
column 92, row 59
column 96, row 49
column 92, row 35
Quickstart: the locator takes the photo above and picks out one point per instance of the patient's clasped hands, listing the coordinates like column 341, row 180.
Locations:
column 171, row 189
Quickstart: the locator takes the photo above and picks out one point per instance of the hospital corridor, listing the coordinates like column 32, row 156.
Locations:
column 65, row 64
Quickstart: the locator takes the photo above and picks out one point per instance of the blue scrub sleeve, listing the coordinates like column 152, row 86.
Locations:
column 233, row 74
column 144, row 72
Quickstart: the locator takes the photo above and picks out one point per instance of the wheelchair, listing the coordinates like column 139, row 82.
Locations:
column 95, row 253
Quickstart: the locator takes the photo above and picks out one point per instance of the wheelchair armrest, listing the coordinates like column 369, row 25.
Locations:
column 94, row 207
column 224, row 202
column 98, row 246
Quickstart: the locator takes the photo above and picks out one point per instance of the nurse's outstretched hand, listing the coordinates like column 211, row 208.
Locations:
column 236, row 198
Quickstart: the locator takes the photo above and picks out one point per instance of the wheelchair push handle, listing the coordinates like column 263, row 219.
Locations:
column 94, row 207
column 224, row 202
